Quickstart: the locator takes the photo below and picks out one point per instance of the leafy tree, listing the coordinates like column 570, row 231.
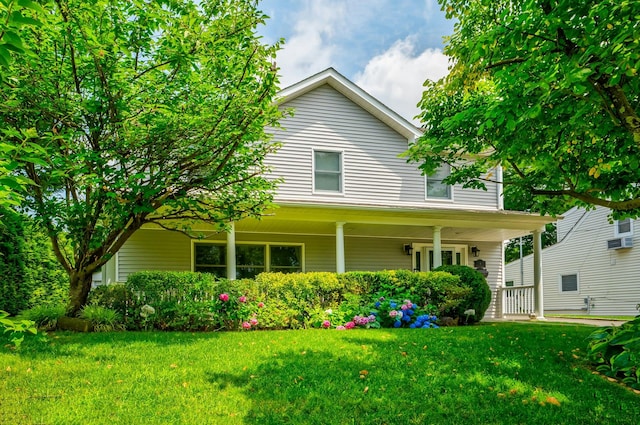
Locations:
column 150, row 112
column 549, row 89
column 14, row 15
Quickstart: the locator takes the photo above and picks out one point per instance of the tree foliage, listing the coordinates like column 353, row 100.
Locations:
column 549, row 89
column 150, row 112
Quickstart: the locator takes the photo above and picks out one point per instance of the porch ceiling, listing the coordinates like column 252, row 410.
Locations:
column 462, row 225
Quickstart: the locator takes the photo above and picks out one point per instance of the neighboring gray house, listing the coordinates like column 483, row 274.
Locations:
column 348, row 202
column 593, row 269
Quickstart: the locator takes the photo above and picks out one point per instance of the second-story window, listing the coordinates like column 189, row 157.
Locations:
column 435, row 188
column 327, row 169
column 624, row 227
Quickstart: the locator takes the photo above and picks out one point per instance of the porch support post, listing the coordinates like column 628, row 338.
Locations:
column 340, row 247
column 437, row 247
column 538, row 287
column 231, row 252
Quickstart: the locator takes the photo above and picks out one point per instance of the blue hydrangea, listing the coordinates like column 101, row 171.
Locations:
column 397, row 324
column 406, row 318
column 392, row 305
column 413, row 325
column 409, row 312
column 377, row 304
column 433, row 325
column 426, row 326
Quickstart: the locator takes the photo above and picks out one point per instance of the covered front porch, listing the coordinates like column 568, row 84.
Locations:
column 339, row 239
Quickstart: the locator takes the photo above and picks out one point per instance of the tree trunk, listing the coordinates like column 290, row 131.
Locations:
column 79, row 287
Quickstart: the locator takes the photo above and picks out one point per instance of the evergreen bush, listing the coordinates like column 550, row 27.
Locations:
column 477, row 300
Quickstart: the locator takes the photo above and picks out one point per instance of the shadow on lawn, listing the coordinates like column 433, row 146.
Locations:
column 68, row 344
column 501, row 377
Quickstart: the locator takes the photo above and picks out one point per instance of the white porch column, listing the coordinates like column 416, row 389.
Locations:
column 231, row 252
column 538, row 288
column 340, row 247
column 437, row 247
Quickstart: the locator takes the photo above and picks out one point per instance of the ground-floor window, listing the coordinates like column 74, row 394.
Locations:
column 251, row 259
column 568, row 283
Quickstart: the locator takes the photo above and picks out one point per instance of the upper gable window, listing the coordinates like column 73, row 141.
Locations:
column 327, row 171
column 624, row 227
column 435, row 188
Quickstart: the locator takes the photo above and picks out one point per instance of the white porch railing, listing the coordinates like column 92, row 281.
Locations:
column 518, row 300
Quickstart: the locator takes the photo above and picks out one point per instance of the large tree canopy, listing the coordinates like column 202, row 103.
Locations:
column 549, row 89
column 149, row 111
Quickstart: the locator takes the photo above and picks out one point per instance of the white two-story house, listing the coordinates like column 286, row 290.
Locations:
column 347, row 202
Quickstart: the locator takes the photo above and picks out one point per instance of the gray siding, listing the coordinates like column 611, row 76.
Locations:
column 373, row 172
column 610, row 278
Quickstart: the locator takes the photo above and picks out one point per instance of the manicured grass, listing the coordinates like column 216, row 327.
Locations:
column 500, row 373
column 587, row 316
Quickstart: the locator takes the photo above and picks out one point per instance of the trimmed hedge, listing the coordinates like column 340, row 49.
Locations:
column 478, row 299
column 191, row 301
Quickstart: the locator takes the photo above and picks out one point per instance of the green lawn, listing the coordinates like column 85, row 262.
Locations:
column 502, row 373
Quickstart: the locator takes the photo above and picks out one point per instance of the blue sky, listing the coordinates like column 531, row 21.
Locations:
column 387, row 47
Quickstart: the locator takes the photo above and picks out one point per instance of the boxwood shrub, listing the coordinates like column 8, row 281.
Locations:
column 478, row 299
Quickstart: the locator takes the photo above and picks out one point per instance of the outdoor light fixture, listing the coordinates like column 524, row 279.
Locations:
column 475, row 251
column 408, row 249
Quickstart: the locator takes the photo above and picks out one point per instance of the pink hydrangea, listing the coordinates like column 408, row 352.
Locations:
column 340, row 328
column 224, row 297
column 253, row 321
column 404, row 307
column 349, row 325
column 246, row 325
column 393, row 313
column 242, row 299
column 260, row 304
column 326, row 324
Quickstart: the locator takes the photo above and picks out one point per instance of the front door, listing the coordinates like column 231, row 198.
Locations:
column 451, row 255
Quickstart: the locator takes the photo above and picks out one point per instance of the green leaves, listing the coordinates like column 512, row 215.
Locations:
column 546, row 92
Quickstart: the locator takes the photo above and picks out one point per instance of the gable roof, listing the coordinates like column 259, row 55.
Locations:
column 354, row 93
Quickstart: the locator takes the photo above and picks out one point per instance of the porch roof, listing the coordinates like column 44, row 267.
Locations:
column 418, row 223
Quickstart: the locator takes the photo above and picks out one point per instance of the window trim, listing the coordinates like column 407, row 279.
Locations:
column 267, row 254
column 616, row 228
column 577, row 275
column 431, row 199
column 313, row 172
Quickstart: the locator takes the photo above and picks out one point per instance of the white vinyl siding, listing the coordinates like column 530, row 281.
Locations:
column 374, row 172
column 609, row 278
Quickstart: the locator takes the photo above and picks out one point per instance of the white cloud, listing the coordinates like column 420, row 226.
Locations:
column 310, row 48
column 395, row 77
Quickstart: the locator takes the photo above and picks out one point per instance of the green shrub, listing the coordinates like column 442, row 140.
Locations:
column 479, row 298
column 30, row 275
column 45, row 316
column 102, row 319
column 616, row 351
column 15, row 330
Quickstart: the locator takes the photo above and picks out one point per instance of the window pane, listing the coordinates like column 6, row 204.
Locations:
column 219, row 271
column 209, row 254
column 325, row 181
column 285, row 256
column 624, row 226
column 248, row 272
column 250, row 255
column 569, row 282
column 435, row 187
column 327, row 161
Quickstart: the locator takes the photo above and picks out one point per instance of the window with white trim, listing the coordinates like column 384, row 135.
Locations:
column 327, row 171
column 251, row 259
column 569, row 283
column 623, row 227
column 434, row 187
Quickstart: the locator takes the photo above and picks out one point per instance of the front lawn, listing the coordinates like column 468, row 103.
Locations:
column 501, row 373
